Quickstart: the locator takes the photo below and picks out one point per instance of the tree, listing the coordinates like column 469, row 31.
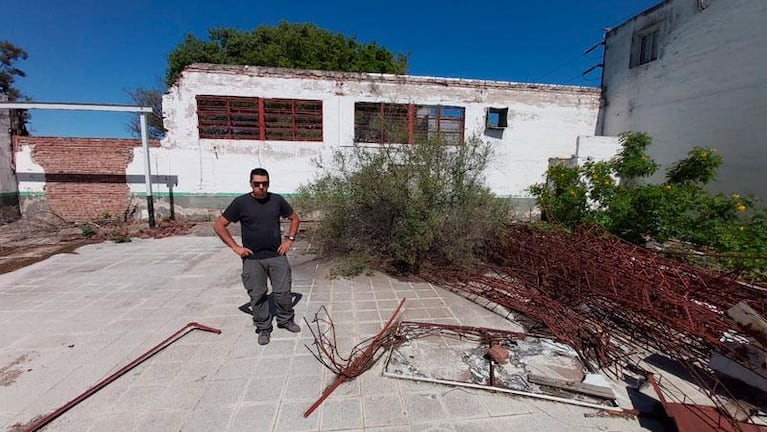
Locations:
column 9, row 55
column 150, row 98
column 288, row 45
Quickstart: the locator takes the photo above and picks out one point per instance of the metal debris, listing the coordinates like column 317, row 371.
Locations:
column 613, row 300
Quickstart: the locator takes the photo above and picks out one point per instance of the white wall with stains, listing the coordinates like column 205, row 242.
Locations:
column 544, row 122
column 708, row 86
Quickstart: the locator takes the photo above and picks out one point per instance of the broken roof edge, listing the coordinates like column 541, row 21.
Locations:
column 262, row 71
column 645, row 12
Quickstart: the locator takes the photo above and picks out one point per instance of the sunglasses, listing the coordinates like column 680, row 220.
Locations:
column 263, row 183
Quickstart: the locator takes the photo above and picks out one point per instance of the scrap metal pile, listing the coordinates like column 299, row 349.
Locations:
column 610, row 299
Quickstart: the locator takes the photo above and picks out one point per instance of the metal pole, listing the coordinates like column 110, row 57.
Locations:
column 147, row 171
column 101, row 384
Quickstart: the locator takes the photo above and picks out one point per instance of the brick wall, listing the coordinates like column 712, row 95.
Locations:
column 84, row 177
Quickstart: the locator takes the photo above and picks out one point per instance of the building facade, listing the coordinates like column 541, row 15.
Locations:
column 692, row 73
column 222, row 121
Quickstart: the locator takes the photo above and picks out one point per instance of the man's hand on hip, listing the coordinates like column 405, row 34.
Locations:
column 284, row 247
column 242, row 251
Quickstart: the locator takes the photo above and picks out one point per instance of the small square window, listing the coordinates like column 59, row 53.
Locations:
column 644, row 45
column 497, row 118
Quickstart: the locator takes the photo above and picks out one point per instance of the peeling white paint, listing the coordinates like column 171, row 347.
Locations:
column 544, row 122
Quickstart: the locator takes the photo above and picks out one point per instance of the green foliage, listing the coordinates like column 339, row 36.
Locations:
column 352, row 265
column 87, row 231
column 700, row 167
column 9, row 56
column 681, row 208
column 288, row 45
column 403, row 205
column 633, row 162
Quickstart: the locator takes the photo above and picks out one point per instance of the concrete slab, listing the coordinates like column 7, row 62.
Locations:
column 73, row 319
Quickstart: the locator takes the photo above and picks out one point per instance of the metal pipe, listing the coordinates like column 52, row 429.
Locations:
column 147, row 170
column 101, row 384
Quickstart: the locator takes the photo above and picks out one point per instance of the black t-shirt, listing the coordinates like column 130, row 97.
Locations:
column 260, row 222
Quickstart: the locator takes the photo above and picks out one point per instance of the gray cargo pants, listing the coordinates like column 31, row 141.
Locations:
column 254, row 275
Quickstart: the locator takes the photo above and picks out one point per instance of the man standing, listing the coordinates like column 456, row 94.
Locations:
column 263, row 251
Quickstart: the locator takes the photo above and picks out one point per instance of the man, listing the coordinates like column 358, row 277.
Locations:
column 263, row 251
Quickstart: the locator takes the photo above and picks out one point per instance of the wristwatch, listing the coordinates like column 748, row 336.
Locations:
column 292, row 238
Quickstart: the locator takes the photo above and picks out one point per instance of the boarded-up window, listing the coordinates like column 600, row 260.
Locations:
column 230, row 117
column 385, row 123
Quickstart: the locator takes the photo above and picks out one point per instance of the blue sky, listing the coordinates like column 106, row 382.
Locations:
column 92, row 51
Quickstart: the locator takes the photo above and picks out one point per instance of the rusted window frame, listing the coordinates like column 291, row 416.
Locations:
column 254, row 118
column 391, row 124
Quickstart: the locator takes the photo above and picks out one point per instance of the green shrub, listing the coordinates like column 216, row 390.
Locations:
column 401, row 205
column 681, row 208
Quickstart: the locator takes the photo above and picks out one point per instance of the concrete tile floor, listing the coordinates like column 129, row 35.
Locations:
column 75, row 318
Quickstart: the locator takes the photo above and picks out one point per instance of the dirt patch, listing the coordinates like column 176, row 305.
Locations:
column 26, row 242
column 9, row 374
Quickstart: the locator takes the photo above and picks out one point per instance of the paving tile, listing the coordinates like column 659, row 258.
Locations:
column 306, row 365
column 362, row 296
column 433, row 427
column 290, row 418
column 374, row 383
column 137, row 398
column 343, row 413
column 368, row 316
column 424, row 407
column 160, row 421
column 277, row 366
column 365, row 305
column 223, row 392
column 265, row 389
column 255, row 418
column 463, row 404
column 207, row 419
column 279, row 347
column 236, row 368
column 303, row 387
column 384, row 410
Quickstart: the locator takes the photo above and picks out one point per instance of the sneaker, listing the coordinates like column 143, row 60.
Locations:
column 264, row 337
column 291, row 327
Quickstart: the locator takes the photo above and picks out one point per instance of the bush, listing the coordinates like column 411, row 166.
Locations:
column 680, row 208
column 402, row 205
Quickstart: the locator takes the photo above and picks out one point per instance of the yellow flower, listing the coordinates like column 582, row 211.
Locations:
column 572, row 192
column 668, row 187
column 703, row 154
column 741, row 208
column 607, row 181
column 741, row 228
column 735, row 196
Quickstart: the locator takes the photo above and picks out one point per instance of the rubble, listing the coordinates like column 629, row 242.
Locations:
column 613, row 302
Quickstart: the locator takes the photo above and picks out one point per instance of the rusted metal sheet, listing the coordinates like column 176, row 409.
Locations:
column 700, row 418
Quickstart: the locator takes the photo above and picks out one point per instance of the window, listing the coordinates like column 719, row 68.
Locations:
column 497, row 118
column 386, row 123
column 230, row 117
column 644, row 45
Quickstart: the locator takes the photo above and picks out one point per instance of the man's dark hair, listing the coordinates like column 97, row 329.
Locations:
column 258, row 172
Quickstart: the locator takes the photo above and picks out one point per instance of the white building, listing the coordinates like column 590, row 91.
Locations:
column 222, row 121
column 692, row 73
